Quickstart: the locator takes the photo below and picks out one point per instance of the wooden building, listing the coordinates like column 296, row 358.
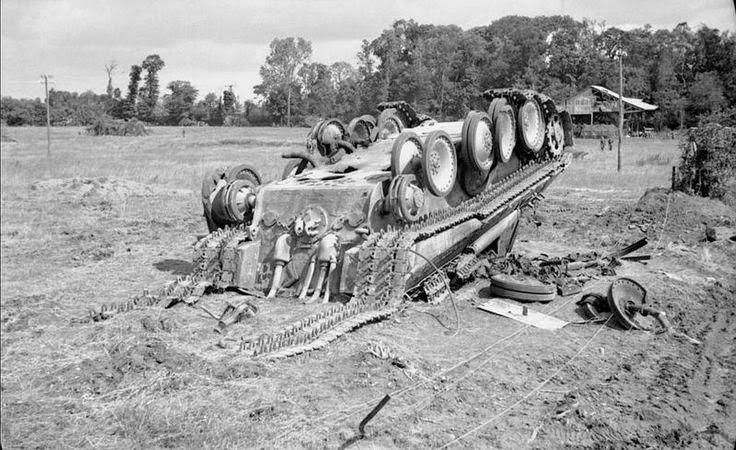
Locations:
column 596, row 103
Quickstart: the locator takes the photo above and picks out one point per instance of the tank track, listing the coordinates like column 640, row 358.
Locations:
column 384, row 265
column 206, row 272
column 383, row 268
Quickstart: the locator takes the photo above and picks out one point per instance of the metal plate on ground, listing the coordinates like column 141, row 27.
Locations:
column 516, row 312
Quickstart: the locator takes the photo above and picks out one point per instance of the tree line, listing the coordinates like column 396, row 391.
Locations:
column 690, row 74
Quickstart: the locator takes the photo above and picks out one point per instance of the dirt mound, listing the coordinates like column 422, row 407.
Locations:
column 99, row 186
column 684, row 213
column 660, row 214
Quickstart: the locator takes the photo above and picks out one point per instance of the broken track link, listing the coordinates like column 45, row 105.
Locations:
column 206, row 271
column 384, row 265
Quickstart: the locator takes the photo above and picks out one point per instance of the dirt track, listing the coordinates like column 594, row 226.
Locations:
column 163, row 378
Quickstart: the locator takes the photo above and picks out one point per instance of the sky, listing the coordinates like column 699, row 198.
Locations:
column 213, row 44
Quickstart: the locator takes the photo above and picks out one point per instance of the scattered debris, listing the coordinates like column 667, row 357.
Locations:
column 522, row 314
column 522, row 288
column 626, row 299
column 232, row 314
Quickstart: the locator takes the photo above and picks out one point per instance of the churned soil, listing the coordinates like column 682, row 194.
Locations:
column 456, row 375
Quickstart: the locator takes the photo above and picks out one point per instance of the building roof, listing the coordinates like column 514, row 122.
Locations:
column 635, row 102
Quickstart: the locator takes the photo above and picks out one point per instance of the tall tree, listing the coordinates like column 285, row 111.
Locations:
column 179, row 103
column 150, row 90
column 129, row 104
column 280, row 70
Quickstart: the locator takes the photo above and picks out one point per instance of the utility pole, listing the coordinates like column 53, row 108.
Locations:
column 48, row 114
column 620, row 105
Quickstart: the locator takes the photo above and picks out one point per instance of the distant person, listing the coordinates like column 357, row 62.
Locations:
column 610, row 144
column 603, row 144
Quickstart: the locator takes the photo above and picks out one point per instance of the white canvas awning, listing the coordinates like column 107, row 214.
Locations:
column 635, row 102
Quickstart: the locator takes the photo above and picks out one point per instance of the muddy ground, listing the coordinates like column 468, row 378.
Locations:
column 154, row 378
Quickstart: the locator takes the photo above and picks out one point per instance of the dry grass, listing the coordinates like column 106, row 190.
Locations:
column 105, row 217
column 645, row 163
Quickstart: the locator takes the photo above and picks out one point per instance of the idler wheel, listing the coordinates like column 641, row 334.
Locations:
column 406, row 154
column 477, row 141
column 243, row 172
column 439, row 163
column 405, row 198
column 504, row 129
column 555, row 136
column 531, row 126
column 390, row 121
column 625, row 297
column 234, row 203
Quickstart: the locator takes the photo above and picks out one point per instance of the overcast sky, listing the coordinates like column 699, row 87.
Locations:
column 216, row 43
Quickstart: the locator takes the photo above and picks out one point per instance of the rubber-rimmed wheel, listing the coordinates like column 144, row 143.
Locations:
column 522, row 284
column 360, row 129
column 243, row 172
column 624, row 293
column 405, row 198
column 531, row 126
column 521, row 296
column 329, row 133
column 406, row 154
column 439, row 163
column 504, row 136
column 477, row 142
column 390, row 121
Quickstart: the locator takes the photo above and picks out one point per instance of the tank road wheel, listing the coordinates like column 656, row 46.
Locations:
column 477, row 142
column 389, row 122
column 439, row 163
column 555, row 136
column 531, row 126
column 330, row 133
column 360, row 130
column 406, row 154
column 405, row 198
column 504, row 128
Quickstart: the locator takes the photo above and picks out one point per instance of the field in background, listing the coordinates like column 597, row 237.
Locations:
column 165, row 157
column 105, row 217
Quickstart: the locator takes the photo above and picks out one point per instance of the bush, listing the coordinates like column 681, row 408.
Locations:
column 107, row 126
column 708, row 160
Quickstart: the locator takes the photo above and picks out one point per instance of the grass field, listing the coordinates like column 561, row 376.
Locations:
column 104, row 217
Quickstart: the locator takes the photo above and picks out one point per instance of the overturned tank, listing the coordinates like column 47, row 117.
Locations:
column 400, row 182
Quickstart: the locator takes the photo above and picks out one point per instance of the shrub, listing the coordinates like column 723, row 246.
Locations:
column 708, row 160
column 107, row 126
